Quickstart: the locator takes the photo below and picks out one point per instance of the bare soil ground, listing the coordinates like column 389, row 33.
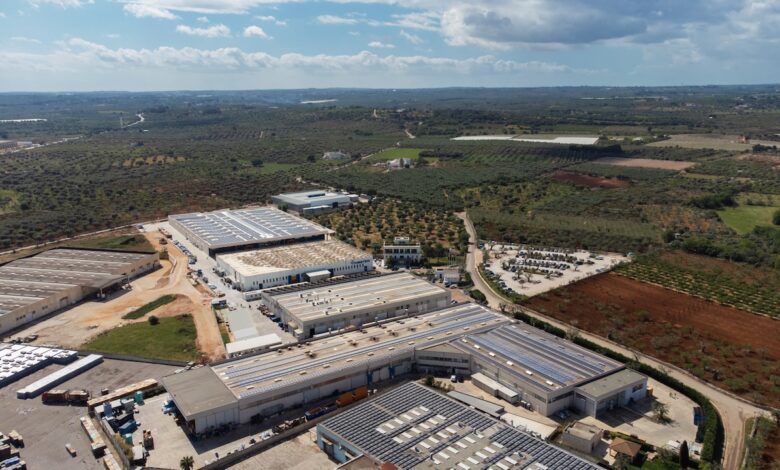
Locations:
column 75, row 326
column 771, row 454
column 732, row 348
column 589, row 181
column 645, row 163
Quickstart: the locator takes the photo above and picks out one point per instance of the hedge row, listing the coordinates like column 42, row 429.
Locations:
column 710, row 430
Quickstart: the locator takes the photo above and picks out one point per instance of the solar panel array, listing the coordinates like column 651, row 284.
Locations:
column 549, row 358
column 358, row 427
column 246, row 226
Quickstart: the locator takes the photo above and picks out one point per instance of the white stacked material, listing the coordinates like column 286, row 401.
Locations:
column 19, row 360
column 56, row 378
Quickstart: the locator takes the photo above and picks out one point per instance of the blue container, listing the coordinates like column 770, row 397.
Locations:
column 10, row 462
column 107, row 410
column 129, row 438
column 139, row 397
column 128, row 427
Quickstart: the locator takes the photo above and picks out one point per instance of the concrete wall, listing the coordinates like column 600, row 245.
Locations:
column 283, row 277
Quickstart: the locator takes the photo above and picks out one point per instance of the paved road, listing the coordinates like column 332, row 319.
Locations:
column 733, row 410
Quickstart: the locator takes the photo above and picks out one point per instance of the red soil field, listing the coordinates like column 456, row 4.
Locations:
column 589, row 181
column 735, row 349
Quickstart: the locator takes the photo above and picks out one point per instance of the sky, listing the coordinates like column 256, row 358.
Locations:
column 156, row 45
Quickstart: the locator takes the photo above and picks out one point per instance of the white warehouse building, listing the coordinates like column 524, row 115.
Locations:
column 290, row 264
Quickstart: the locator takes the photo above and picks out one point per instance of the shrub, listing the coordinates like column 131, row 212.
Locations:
column 153, row 320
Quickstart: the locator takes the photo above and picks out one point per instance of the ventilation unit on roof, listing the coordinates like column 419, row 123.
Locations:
column 549, row 383
column 529, row 372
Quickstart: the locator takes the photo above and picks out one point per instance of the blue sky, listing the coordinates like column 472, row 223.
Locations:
column 82, row 45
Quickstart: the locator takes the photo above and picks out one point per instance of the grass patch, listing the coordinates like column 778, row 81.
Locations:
column 173, row 338
column 392, row 154
column 743, row 219
column 9, row 201
column 141, row 311
column 223, row 331
column 116, row 242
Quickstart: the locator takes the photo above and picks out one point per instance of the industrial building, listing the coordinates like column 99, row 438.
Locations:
column 511, row 360
column 314, row 202
column 33, row 287
column 414, row 427
column 333, row 306
column 252, row 345
column 268, row 383
column 525, row 365
column 402, row 252
column 244, row 229
column 289, row 264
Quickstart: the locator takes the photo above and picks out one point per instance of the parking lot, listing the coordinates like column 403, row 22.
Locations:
column 47, row 428
column 219, row 286
column 529, row 270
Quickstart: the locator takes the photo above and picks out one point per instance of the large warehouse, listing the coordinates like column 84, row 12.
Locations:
column 265, row 384
column 451, row 339
column 243, row 229
column 313, row 202
column 414, row 427
column 33, row 287
column 327, row 308
column 289, row 264
column 524, row 364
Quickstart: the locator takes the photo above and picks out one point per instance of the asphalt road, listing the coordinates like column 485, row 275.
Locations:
column 734, row 411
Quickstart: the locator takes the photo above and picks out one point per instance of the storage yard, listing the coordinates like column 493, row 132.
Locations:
column 32, row 288
column 413, row 426
column 231, row 230
column 324, row 309
column 529, row 270
column 289, row 264
column 47, row 428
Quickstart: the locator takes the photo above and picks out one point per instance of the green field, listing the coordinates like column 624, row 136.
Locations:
column 141, row 311
column 173, row 338
column 391, row 154
column 743, row 219
column 9, row 201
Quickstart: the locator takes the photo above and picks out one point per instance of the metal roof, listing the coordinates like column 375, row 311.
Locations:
column 312, row 198
column 534, row 356
column 611, row 383
column 227, row 228
column 382, row 292
column 198, row 390
column 416, row 427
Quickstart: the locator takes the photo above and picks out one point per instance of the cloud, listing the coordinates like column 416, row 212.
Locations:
column 202, row 19
column 25, row 39
column 112, row 36
column 218, row 30
column 222, row 7
column 148, row 11
column 331, row 19
column 255, row 32
column 2, row 15
column 62, row 3
column 380, row 45
column 412, row 38
column 271, row 19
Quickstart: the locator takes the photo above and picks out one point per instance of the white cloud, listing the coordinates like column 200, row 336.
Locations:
column 332, row 19
column 203, row 19
column 380, row 45
column 62, row 3
column 271, row 19
column 25, row 39
column 2, row 15
column 218, row 30
column 255, row 32
column 112, row 36
column 225, row 7
column 413, row 38
column 148, row 11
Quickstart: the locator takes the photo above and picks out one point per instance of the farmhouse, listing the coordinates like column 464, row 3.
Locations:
column 233, row 230
column 331, row 307
column 289, row 264
column 402, row 252
column 414, row 427
column 33, row 287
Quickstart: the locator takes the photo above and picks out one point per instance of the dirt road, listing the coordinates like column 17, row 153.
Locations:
column 75, row 326
column 733, row 410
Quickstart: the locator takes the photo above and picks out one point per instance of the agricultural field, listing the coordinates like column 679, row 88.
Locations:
column 731, row 348
column 740, row 286
column 752, row 210
column 762, row 444
column 710, row 141
column 368, row 226
column 130, row 242
column 172, row 338
column 646, row 163
column 393, row 153
column 588, row 181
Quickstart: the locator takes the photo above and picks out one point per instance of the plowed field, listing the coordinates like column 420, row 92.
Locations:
column 734, row 349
